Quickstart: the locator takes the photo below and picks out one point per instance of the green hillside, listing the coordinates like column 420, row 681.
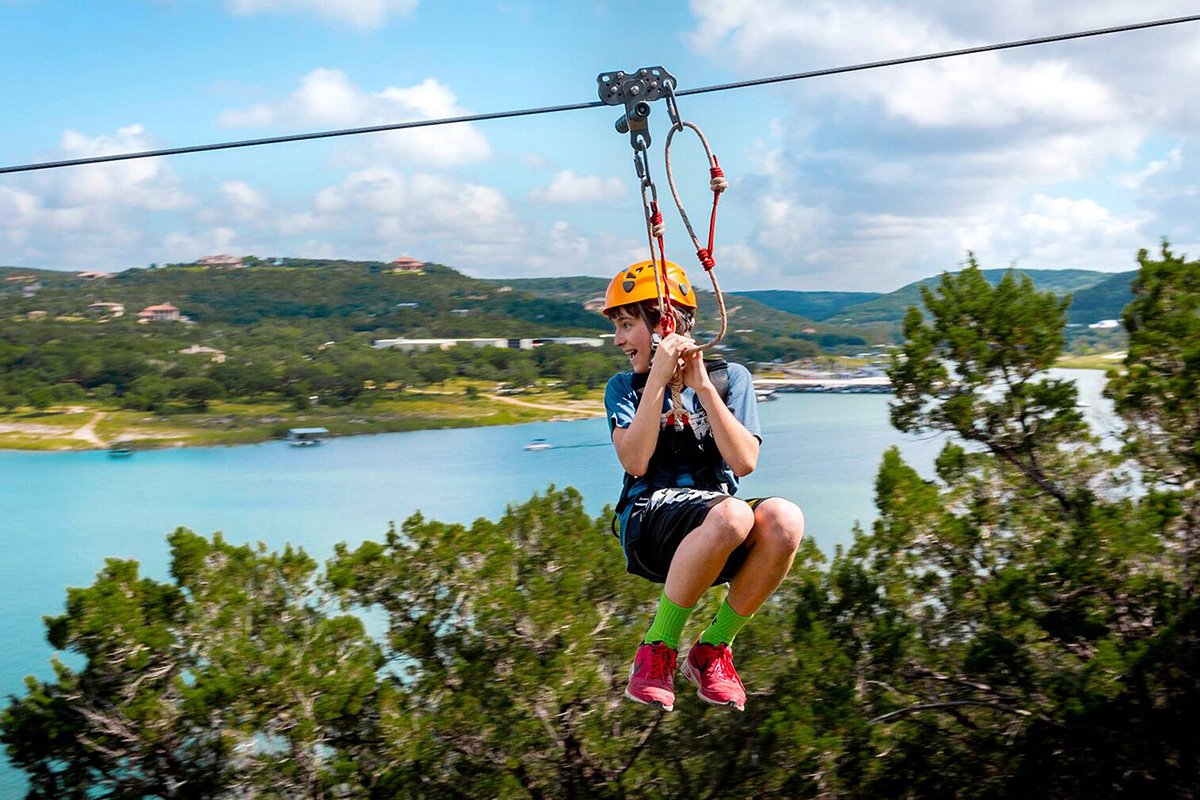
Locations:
column 756, row 330
column 813, row 305
column 891, row 307
column 1105, row 300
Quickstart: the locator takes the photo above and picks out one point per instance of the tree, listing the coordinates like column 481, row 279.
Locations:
column 230, row 681
column 40, row 398
column 196, row 392
column 1016, row 624
column 511, row 642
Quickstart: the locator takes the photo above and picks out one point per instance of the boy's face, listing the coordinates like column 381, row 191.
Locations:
column 633, row 337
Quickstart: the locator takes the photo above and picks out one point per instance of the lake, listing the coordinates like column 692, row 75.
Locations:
column 62, row 514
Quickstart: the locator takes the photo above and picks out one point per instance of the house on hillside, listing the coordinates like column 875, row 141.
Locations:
column 409, row 266
column 164, row 312
column 20, row 278
column 595, row 304
column 232, row 262
column 94, row 276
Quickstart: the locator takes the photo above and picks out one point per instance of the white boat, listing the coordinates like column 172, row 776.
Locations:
column 765, row 394
column 306, row 437
column 538, row 444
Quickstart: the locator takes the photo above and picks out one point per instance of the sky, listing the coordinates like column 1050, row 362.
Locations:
column 1069, row 155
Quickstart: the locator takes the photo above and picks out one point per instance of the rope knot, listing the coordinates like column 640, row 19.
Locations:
column 657, row 228
column 706, row 259
column 718, row 183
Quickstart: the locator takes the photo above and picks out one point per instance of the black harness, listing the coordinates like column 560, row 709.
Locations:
column 675, row 446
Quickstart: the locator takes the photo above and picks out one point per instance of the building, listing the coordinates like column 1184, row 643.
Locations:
column 20, row 278
column 220, row 261
column 511, row 344
column 1105, row 325
column 576, row 341
column 595, row 304
column 410, row 345
column 94, row 276
column 217, row 357
column 406, row 265
column 107, row 309
column 160, row 313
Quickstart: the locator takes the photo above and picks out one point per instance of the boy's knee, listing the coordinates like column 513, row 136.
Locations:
column 781, row 522
column 733, row 519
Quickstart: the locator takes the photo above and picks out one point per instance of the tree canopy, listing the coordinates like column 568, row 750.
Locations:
column 1022, row 622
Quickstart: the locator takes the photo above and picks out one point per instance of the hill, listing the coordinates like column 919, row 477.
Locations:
column 891, row 307
column 813, row 305
column 1105, row 300
column 345, row 296
column 756, row 330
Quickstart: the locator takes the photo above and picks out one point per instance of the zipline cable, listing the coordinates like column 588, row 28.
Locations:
column 891, row 62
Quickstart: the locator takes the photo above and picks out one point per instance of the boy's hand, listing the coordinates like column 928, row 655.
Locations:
column 695, row 376
column 667, row 357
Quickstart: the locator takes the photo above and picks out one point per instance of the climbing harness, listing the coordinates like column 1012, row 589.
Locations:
column 636, row 91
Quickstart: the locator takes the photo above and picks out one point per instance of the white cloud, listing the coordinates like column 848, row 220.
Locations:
column 145, row 183
column 93, row 215
column 360, row 13
column 381, row 210
column 567, row 187
column 245, row 203
column 188, row 246
column 1035, row 155
column 327, row 98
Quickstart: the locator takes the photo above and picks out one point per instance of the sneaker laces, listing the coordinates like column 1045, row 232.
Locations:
column 659, row 663
column 718, row 663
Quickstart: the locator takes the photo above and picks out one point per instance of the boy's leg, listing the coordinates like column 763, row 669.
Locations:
column 771, row 545
column 702, row 554
column 693, row 567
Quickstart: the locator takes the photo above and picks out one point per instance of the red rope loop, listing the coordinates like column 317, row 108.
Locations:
column 706, row 259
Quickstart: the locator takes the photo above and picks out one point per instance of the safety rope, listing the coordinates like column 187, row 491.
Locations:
column 718, row 184
column 635, row 91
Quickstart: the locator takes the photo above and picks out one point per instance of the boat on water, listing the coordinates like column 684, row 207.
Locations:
column 121, row 449
column 306, row 437
column 538, row 444
column 765, row 394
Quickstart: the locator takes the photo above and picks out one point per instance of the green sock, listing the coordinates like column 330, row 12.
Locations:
column 668, row 623
column 725, row 625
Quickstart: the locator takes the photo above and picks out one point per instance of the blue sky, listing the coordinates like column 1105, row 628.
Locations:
column 1071, row 155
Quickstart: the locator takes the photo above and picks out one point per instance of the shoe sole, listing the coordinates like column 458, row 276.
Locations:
column 652, row 703
column 693, row 679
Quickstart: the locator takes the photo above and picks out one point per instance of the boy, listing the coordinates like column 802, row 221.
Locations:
column 680, row 524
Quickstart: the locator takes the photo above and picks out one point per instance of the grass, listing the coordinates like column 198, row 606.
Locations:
column 1092, row 361
column 231, row 423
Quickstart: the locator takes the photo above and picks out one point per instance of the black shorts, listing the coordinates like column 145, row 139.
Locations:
column 659, row 523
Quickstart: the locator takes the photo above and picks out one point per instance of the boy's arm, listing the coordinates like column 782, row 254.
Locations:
column 635, row 444
column 738, row 446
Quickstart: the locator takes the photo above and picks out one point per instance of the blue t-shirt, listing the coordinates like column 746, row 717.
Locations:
column 620, row 403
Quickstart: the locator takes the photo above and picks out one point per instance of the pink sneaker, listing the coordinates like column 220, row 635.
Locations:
column 710, row 667
column 652, row 677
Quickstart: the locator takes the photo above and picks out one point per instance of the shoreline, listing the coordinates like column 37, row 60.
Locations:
column 96, row 429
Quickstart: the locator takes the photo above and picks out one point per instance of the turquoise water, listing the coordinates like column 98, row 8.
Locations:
column 61, row 514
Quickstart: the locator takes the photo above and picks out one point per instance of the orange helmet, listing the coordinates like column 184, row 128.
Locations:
column 636, row 283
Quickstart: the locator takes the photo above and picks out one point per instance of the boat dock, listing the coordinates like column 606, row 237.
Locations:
column 872, row 384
